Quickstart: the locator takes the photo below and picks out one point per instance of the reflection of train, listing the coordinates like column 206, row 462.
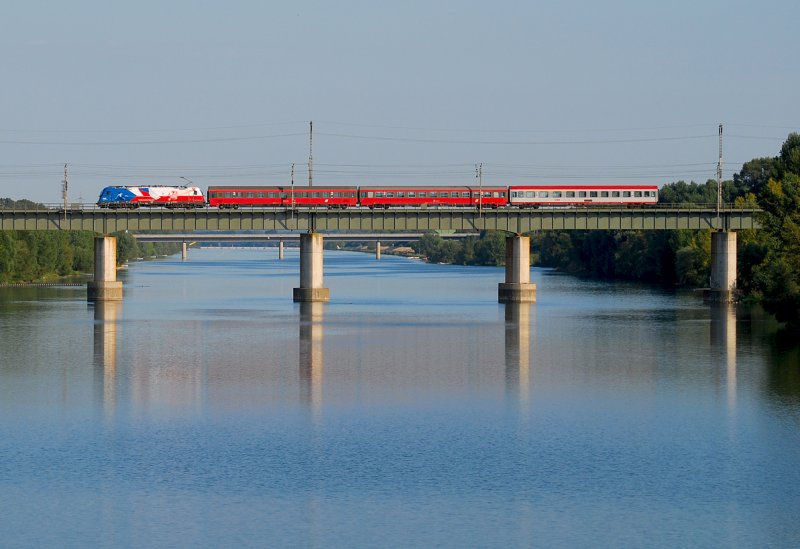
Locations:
column 521, row 196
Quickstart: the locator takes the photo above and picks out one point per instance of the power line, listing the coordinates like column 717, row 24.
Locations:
column 476, row 142
column 153, row 130
column 152, row 142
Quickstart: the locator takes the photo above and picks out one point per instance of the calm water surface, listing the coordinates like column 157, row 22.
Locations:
column 207, row 409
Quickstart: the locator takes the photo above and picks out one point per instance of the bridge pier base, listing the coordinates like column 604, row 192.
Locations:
column 184, row 251
column 280, row 250
column 311, row 270
column 517, row 288
column 105, row 286
column 378, row 250
column 723, row 268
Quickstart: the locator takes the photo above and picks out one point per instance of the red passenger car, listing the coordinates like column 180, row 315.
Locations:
column 279, row 196
column 386, row 197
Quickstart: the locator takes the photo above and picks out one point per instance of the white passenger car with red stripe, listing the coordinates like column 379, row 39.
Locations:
column 534, row 196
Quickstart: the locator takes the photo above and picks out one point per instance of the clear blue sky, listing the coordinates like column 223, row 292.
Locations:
column 403, row 92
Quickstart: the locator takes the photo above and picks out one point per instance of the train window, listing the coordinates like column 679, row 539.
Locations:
column 556, row 194
column 543, row 194
column 604, row 194
column 284, row 195
column 423, row 194
column 581, row 194
column 412, row 194
column 379, row 194
column 503, row 194
column 389, row 195
column 615, row 194
column 401, row 194
column 637, row 194
column 569, row 194
column 530, row 194
column 592, row 194
column 454, row 194
column 465, row 194
column 626, row 194
column 495, row 194
column 433, row 194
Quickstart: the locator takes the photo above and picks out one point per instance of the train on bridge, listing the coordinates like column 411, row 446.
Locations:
column 259, row 196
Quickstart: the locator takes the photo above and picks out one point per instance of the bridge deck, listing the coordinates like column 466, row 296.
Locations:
column 408, row 220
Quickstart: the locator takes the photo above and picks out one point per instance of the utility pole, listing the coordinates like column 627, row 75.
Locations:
column 64, row 193
column 479, row 177
column 310, row 152
column 292, row 191
column 719, row 177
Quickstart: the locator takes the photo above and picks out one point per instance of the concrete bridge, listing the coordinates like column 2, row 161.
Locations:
column 516, row 288
column 280, row 238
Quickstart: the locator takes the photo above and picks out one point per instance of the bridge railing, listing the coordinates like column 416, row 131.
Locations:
column 89, row 206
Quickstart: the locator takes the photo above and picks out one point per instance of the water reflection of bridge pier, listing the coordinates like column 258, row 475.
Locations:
column 723, row 340
column 518, row 351
column 106, row 314
column 311, row 353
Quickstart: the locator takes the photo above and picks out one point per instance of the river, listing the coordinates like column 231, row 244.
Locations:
column 207, row 409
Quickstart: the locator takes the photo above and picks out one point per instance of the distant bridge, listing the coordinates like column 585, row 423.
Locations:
column 412, row 220
column 279, row 237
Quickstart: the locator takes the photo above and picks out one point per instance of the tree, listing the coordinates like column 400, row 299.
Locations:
column 789, row 157
column 491, row 249
column 778, row 277
column 754, row 174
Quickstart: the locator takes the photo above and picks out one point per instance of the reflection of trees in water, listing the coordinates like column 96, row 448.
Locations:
column 783, row 368
column 780, row 349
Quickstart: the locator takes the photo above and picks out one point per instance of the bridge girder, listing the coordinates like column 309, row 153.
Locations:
column 405, row 220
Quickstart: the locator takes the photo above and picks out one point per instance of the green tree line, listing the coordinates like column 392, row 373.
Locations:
column 36, row 256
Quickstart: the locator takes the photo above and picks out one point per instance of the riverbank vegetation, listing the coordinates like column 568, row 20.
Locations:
column 39, row 256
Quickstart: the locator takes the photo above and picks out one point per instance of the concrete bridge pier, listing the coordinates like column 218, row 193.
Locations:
column 517, row 288
column 280, row 250
column 311, row 270
column 378, row 250
column 105, row 286
column 184, row 251
column 723, row 268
